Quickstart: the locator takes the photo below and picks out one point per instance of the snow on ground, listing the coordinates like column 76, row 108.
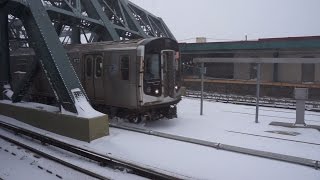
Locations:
column 18, row 163
column 219, row 119
column 197, row 162
column 64, row 156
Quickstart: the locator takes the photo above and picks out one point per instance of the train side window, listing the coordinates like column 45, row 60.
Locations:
column 89, row 60
column 124, row 66
column 99, row 66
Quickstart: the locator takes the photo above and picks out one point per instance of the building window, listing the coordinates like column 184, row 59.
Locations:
column 308, row 72
column 253, row 71
column 124, row 66
column 99, row 66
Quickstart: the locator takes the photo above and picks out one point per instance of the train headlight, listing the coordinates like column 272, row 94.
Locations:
column 176, row 87
column 156, row 91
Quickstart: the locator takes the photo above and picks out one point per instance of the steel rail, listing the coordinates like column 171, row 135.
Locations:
column 55, row 159
column 263, row 154
column 139, row 170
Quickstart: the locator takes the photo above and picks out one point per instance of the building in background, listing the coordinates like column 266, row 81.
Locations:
column 278, row 80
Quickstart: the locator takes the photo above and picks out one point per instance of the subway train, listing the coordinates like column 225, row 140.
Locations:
column 138, row 80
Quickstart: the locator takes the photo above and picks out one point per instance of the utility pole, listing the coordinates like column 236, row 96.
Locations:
column 258, row 91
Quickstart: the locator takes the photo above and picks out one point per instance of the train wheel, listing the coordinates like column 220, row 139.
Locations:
column 136, row 119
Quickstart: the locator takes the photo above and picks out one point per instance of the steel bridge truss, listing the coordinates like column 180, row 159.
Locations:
column 83, row 21
column 45, row 25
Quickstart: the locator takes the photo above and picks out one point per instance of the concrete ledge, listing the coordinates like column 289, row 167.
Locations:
column 84, row 129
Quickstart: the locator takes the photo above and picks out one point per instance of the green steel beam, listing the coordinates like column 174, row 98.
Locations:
column 59, row 11
column 104, row 20
column 129, row 15
column 165, row 27
column 25, row 83
column 161, row 27
column 4, row 47
column 94, row 9
column 52, row 55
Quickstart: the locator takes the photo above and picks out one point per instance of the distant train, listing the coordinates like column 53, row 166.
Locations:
column 137, row 79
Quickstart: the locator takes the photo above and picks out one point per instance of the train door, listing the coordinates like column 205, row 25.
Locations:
column 168, row 72
column 94, row 76
column 98, row 78
column 89, row 79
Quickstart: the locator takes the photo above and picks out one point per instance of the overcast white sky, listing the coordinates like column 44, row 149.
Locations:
column 233, row 19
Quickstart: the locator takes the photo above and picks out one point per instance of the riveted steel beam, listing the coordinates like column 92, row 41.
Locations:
column 4, row 46
column 23, row 85
column 129, row 14
column 101, row 20
column 51, row 53
column 150, row 21
column 94, row 9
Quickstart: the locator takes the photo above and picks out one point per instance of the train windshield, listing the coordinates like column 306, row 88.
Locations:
column 152, row 67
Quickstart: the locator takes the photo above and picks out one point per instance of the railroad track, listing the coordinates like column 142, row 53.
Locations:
column 263, row 154
column 251, row 101
column 55, row 159
column 102, row 159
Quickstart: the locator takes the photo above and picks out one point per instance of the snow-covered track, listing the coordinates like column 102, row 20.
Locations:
column 263, row 154
column 50, row 157
column 102, row 159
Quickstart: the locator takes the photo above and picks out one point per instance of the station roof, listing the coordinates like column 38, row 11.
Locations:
column 305, row 42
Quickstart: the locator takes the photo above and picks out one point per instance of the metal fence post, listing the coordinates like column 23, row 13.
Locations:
column 202, row 76
column 258, row 91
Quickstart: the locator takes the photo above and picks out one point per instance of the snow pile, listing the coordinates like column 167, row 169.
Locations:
column 7, row 92
column 84, row 109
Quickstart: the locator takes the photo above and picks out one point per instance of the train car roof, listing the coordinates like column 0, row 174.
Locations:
column 97, row 46
column 112, row 45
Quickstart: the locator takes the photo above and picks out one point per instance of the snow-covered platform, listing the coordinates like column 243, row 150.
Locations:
column 222, row 123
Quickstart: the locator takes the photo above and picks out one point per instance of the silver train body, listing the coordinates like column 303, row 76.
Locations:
column 138, row 79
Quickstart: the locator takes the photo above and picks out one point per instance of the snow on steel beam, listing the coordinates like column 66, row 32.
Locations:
column 94, row 6
column 259, row 60
column 129, row 15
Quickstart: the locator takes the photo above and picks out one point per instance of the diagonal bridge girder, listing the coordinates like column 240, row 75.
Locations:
column 43, row 39
column 102, row 20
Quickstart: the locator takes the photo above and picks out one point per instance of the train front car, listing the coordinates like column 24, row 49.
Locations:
column 160, row 78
